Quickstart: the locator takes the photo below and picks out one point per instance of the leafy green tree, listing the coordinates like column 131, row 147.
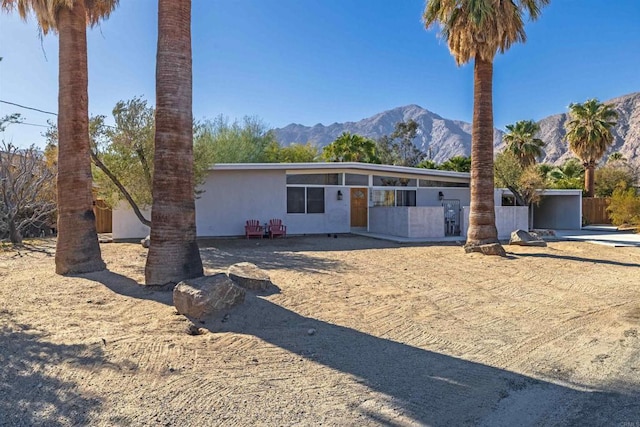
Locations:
column 456, row 164
column 567, row 176
column 398, row 148
column 611, row 176
column 521, row 141
column 427, row 164
column 246, row 141
column 123, row 155
column 616, row 157
column 523, row 182
column 351, row 148
column 476, row 30
column 77, row 248
column 589, row 135
column 294, row 153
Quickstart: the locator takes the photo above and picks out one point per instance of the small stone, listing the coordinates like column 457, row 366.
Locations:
column 192, row 329
column 146, row 242
column 311, row 331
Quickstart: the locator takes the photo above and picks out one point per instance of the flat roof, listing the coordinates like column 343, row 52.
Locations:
column 348, row 167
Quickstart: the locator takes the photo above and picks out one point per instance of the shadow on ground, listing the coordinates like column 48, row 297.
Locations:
column 417, row 385
column 574, row 258
column 26, row 358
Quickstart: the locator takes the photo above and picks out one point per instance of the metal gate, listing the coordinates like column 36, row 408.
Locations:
column 451, row 217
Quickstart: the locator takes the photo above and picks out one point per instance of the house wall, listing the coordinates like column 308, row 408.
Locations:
column 508, row 219
column 407, row 221
column 126, row 225
column 232, row 197
column 558, row 212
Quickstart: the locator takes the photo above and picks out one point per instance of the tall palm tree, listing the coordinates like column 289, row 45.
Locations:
column 173, row 251
column 77, row 248
column 522, row 142
column 589, row 135
column 476, row 30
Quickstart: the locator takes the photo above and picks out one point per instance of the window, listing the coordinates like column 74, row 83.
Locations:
column 295, row 200
column 305, row 200
column 432, row 183
column 356, row 179
column 394, row 197
column 315, row 179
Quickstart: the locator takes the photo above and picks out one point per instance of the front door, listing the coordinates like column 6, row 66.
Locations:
column 359, row 203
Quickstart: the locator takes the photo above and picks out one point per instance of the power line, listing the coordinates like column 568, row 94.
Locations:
column 30, row 124
column 28, row 108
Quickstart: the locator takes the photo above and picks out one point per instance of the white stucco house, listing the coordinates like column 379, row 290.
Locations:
column 320, row 198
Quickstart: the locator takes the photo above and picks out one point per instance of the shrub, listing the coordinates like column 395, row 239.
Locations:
column 624, row 208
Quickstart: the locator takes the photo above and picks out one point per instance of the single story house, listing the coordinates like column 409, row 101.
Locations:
column 321, row 198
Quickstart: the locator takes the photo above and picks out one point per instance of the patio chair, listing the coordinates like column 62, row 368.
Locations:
column 276, row 228
column 253, row 229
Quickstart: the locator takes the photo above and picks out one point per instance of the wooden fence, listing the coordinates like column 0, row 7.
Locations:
column 594, row 210
column 103, row 216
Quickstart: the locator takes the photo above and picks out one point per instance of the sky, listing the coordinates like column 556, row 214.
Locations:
column 326, row 61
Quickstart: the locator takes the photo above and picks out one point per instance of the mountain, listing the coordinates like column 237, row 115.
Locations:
column 442, row 138
column 445, row 138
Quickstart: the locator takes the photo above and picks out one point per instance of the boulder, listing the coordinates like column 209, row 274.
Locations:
column 524, row 238
column 249, row 276
column 489, row 249
column 145, row 242
column 206, row 295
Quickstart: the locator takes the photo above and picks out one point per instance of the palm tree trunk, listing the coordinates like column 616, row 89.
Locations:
column 589, row 178
column 173, row 251
column 77, row 247
column 482, row 221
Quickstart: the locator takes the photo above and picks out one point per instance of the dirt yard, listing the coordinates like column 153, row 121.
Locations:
column 401, row 335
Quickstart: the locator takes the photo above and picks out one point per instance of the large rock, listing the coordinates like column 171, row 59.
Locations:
column 524, row 238
column 249, row 276
column 145, row 242
column 489, row 249
column 206, row 295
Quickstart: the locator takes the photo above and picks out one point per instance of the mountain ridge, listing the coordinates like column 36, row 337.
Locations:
column 443, row 138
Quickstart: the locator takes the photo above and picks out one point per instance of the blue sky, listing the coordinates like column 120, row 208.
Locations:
column 325, row 61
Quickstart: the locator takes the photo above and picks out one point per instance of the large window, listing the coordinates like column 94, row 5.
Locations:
column 394, row 197
column 305, row 200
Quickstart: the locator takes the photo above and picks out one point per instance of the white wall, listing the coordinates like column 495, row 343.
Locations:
column 126, row 225
column 407, row 221
column 508, row 219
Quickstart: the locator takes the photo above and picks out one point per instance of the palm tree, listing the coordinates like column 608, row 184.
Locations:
column 589, row 135
column 77, row 248
column 522, row 142
column 476, row 30
column 173, row 251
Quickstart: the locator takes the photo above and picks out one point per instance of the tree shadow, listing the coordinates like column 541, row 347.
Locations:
column 574, row 258
column 41, row 399
column 422, row 386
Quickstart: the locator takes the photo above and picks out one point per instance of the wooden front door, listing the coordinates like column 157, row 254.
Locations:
column 359, row 203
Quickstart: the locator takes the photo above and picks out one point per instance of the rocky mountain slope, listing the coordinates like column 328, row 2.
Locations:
column 443, row 138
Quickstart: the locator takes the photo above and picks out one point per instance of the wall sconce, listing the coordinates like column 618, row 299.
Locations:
column 339, row 195
column 440, row 195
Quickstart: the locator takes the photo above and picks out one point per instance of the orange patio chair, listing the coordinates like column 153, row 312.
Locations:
column 253, row 228
column 276, row 228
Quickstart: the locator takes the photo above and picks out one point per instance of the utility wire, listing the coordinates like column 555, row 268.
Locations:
column 28, row 108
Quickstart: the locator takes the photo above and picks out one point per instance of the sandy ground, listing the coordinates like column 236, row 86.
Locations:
column 404, row 335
